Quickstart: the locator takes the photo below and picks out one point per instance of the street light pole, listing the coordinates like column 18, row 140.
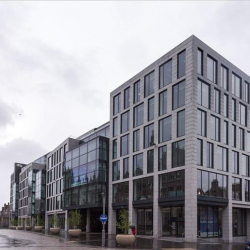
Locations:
column 103, row 224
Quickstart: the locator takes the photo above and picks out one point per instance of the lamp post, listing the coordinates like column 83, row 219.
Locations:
column 103, row 223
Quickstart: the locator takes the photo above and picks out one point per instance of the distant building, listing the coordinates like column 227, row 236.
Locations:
column 4, row 216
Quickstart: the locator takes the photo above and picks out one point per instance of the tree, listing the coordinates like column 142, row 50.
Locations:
column 54, row 220
column 39, row 221
column 75, row 219
column 28, row 221
column 123, row 222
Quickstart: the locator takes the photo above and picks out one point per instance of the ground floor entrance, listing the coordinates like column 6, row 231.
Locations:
column 173, row 223
column 209, row 221
column 145, row 221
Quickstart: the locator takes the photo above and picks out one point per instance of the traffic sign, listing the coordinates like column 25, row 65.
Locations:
column 103, row 218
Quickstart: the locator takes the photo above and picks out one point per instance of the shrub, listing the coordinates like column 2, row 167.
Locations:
column 54, row 220
column 74, row 219
column 28, row 221
column 123, row 222
column 39, row 221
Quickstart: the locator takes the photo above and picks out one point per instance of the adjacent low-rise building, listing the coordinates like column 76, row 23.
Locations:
column 4, row 216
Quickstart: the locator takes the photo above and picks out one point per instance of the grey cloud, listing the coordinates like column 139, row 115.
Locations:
column 18, row 150
column 7, row 113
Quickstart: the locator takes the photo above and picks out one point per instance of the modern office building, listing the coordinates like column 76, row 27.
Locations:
column 86, row 177
column 54, row 182
column 14, row 191
column 32, row 191
column 180, row 147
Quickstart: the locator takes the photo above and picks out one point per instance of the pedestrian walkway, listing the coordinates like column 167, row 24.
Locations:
column 30, row 240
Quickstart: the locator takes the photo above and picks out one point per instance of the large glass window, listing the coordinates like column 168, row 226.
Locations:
column 235, row 162
column 181, row 123
column 138, row 165
column 138, row 115
column 211, row 69
column 125, row 168
column 178, row 95
column 242, row 139
column 199, row 152
column 200, row 62
column 149, row 84
column 209, row 221
column 150, row 109
column 210, row 155
column 115, row 126
column 143, row 189
column 165, row 74
column 215, row 128
column 236, row 85
column 224, row 77
column 165, row 129
column 248, row 142
column 137, row 92
column 234, row 110
column 246, row 92
column 203, row 91
column 245, row 165
column 233, row 135
column 116, row 171
column 178, row 154
column 225, row 112
column 211, row 184
column 162, row 158
column 125, row 122
column 124, row 145
column 217, row 101
column 172, row 184
column 236, row 189
column 239, row 222
column 163, row 108
column 247, row 190
column 243, row 114
column 121, row 192
column 225, row 132
column 222, row 158
column 181, row 64
column 136, row 141
column 126, row 97
column 201, row 123
column 116, row 104
column 150, row 161
column 149, row 135
column 115, row 149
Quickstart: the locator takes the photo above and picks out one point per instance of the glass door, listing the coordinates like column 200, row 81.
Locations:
column 145, row 221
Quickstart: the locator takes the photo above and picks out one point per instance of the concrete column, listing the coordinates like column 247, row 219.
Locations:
column 66, row 221
column 46, row 222
column 157, row 212
column 132, row 210
column 88, row 221
column 190, row 204
column 112, row 220
column 227, row 214
column 248, row 223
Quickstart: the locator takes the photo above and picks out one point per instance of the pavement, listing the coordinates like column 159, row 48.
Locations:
column 31, row 240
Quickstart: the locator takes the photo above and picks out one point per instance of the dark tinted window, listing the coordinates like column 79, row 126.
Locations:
column 211, row 69
column 200, row 62
column 116, row 104
column 165, row 74
column 203, row 92
column 150, row 161
column 138, row 115
column 162, row 158
column 165, row 129
column 116, row 170
column 137, row 92
column 125, row 168
column 125, row 122
column 150, row 109
column 138, row 165
column 126, row 97
column 178, row 154
column 163, row 108
column 115, row 126
column 179, row 95
column 149, row 84
column 136, row 142
column 181, row 123
column 181, row 64
column 149, row 135
column 124, row 145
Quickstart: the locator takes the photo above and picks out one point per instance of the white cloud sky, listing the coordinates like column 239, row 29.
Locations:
column 60, row 60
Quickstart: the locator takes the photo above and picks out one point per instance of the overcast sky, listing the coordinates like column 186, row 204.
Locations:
column 60, row 60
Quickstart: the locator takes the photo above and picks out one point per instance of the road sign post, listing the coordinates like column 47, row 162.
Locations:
column 103, row 219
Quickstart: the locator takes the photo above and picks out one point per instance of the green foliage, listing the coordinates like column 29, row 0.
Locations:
column 19, row 222
column 15, row 222
column 28, row 221
column 54, row 220
column 39, row 221
column 123, row 222
column 75, row 219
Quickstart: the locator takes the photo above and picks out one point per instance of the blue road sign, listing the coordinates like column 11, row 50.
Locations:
column 103, row 218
